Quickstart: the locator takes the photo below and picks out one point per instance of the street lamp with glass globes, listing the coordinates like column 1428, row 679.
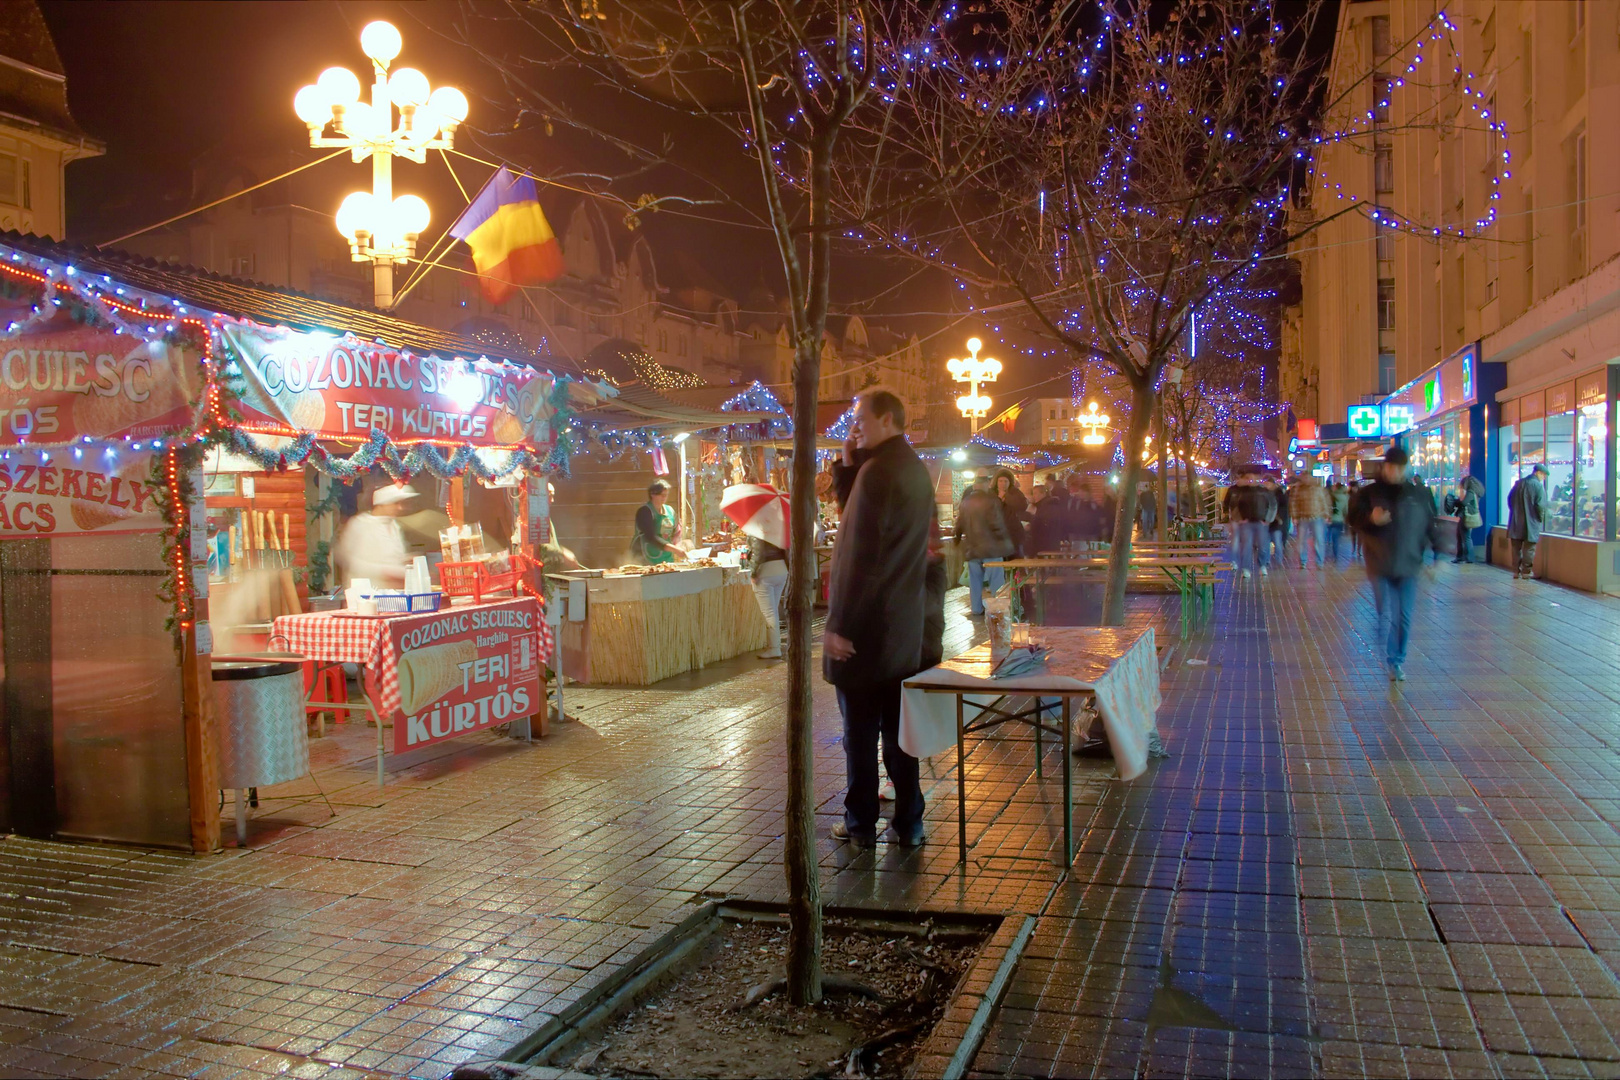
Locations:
column 973, row 370
column 382, row 229
column 1095, row 424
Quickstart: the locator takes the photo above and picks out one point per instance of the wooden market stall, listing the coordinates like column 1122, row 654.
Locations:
column 124, row 381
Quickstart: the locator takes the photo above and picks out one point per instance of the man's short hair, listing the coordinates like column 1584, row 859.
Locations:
column 1396, row 455
column 657, row 487
column 884, row 403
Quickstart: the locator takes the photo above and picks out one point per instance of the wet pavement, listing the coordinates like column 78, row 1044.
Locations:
column 1329, row 876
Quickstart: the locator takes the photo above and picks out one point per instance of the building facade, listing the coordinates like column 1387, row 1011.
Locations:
column 1536, row 294
column 38, row 135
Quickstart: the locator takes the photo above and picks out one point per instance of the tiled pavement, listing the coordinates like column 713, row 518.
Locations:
column 1328, row 876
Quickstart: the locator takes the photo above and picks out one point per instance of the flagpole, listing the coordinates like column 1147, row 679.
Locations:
column 422, row 267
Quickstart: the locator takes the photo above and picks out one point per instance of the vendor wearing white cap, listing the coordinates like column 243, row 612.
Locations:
column 373, row 545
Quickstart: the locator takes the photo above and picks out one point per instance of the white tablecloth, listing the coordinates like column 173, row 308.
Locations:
column 1120, row 665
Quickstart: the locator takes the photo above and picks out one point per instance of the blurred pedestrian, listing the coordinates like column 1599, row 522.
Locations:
column 1050, row 529
column 1464, row 503
column 1395, row 518
column 982, row 535
column 1281, row 523
column 1310, row 508
column 1338, row 504
column 1527, row 502
column 1250, row 507
column 877, row 615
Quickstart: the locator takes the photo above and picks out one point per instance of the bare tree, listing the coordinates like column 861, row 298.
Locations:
column 807, row 91
column 1141, row 171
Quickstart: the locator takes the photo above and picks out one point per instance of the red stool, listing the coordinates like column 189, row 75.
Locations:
column 325, row 687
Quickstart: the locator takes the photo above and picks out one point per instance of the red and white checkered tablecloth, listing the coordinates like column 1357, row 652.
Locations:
column 346, row 639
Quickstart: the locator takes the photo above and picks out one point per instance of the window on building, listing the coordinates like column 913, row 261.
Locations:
column 1051, row 414
column 1386, row 303
column 1386, row 373
column 680, row 345
column 25, row 184
column 1527, row 57
column 1380, row 90
column 663, row 341
column 1385, row 243
column 8, row 179
column 1384, row 169
column 1380, row 35
column 1578, row 180
column 1530, row 247
column 1051, row 435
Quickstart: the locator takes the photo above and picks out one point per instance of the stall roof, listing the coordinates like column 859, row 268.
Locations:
column 639, row 406
column 242, row 299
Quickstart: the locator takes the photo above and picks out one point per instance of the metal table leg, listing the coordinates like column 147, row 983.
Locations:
column 1068, row 791
column 1038, row 773
column 961, row 788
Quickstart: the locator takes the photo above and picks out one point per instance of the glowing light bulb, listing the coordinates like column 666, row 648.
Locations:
column 312, row 106
column 408, row 88
column 340, row 86
column 381, row 41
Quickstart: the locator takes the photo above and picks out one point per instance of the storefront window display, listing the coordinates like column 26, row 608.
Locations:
column 1559, row 454
column 1437, row 458
column 1509, row 436
column 1591, row 469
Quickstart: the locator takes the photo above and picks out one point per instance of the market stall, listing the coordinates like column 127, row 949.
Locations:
column 170, row 439
column 644, row 624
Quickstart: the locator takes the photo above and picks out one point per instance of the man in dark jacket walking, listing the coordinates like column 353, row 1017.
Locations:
column 981, row 534
column 876, row 609
column 1394, row 517
column 1527, row 502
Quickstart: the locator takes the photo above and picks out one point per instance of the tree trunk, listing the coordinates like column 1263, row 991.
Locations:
column 1119, row 558
column 799, row 844
column 1163, row 471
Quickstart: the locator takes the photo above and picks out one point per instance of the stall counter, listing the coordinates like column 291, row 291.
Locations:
column 640, row 628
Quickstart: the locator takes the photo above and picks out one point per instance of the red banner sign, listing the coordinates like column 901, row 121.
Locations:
column 342, row 386
column 95, row 492
column 466, row 669
column 61, row 380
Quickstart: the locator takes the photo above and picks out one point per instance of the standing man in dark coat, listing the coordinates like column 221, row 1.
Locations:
column 876, row 605
column 1395, row 518
column 1527, row 501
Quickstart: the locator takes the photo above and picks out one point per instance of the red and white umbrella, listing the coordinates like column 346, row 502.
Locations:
column 759, row 510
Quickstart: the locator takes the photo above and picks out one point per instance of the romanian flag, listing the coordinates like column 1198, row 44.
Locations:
column 511, row 240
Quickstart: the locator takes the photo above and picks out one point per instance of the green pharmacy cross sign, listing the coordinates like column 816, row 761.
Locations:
column 1365, row 421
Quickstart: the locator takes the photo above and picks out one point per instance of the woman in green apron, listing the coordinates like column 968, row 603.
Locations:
column 657, row 528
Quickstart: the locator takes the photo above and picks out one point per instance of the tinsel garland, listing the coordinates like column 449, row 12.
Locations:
column 377, row 451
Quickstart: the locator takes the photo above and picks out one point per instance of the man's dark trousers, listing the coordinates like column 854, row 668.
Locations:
column 871, row 712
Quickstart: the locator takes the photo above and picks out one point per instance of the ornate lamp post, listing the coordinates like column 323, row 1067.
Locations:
column 973, row 370
column 1095, row 424
column 381, row 229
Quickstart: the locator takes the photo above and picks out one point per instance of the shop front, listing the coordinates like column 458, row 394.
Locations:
column 1443, row 418
column 1567, row 427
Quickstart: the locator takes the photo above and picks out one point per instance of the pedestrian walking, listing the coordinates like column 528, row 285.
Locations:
column 1527, row 502
column 981, row 535
column 1464, row 503
column 876, row 615
column 1050, row 529
column 1014, row 508
column 1281, row 524
column 1394, row 517
column 769, row 574
column 1250, row 506
column 1338, row 504
column 1310, row 508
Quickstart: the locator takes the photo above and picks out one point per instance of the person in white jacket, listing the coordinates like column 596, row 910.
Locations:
column 373, row 545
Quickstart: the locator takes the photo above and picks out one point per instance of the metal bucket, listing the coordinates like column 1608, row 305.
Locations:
column 259, row 707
